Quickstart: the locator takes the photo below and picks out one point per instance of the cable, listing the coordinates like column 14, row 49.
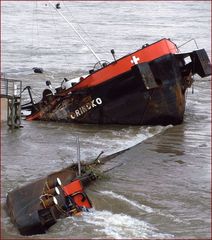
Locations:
column 75, row 30
column 57, row 34
column 192, row 39
column 81, row 28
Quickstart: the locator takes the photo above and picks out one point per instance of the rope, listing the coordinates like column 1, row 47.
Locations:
column 58, row 34
column 192, row 39
column 32, row 33
column 75, row 30
column 35, row 31
column 47, row 186
column 93, row 42
column 61, row 210
column 57, row 206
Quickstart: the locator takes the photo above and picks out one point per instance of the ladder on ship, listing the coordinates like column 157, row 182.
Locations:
column 11, row 101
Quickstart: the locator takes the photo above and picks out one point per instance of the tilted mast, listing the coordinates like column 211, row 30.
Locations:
column 75, row 30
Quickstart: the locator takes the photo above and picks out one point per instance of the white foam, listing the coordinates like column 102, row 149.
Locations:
column 121, row 225
column 141, row 206
column 131, row 202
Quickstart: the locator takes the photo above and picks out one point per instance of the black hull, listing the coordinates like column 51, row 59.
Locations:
column 24, row 205
column 150, row 93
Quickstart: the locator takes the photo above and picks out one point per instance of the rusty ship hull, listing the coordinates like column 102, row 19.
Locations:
column 146, row 87
column 35, row 207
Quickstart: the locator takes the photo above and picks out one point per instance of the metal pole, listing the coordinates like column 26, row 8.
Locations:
column 78, row 156
column 75, row 30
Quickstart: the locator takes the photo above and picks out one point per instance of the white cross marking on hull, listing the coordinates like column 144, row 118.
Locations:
column 135, row 59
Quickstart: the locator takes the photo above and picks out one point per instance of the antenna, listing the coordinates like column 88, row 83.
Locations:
column 78, row 156
column 113, row 54
column 75, row 30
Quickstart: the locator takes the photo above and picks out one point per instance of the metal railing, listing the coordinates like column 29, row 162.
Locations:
column 11, row 90
column 11, row 87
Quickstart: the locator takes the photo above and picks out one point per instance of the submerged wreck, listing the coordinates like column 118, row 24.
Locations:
column 35, row 207
column 146, row 87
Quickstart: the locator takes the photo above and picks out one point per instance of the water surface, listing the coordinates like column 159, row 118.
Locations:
column 160, row 188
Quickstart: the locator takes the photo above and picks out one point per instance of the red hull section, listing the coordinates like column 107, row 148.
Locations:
column 151, row 81
column 149, row 53
column 43, row 202
column 75, row 189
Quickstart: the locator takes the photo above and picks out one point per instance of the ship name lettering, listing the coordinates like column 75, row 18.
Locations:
column 85, row 108
column 93, row 104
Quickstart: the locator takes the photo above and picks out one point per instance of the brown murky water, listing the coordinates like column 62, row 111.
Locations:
column 158, row 189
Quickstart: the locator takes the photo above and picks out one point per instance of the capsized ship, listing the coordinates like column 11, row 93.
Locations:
column 146, row 87
column 37, row 206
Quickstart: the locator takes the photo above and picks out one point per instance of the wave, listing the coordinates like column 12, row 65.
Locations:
column 131, row 202
column 142, row 207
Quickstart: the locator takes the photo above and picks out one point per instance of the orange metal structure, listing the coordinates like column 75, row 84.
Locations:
column 75, row 190
column 124, row 64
